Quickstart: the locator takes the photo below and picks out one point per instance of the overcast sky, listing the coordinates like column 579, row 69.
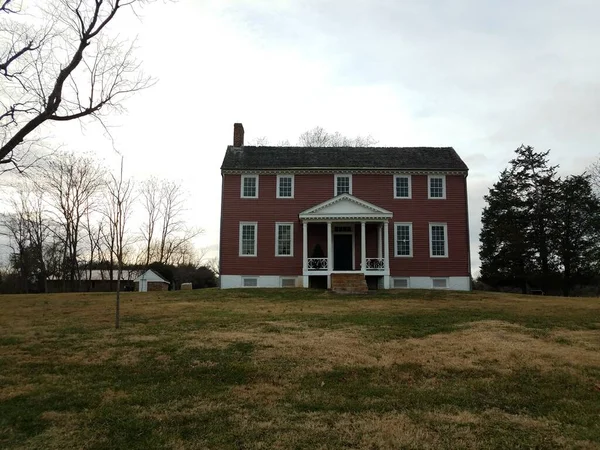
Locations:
column 481, row 76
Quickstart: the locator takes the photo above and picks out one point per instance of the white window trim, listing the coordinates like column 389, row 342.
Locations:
column 403, row 175
column 291, row 224
column 249, row 278
column 401, row 278
column 242, row 186
column 440, row 278
column 410, row 234
column 281, row 279
column 287, row 175
column 429, row 177
column 335, row 178
column 441, row 224
column 255, row 239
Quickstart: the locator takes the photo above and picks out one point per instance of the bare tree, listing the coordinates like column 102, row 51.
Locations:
column 65, row 68
column 118, row 211
column 213, row 264
column 72, row 183
column 14, row 228
column 109, row 242
column 150, row 196
column 174, row 233
column 167, row 238
column 319, row 137
column 94, row 230
column 594, row 171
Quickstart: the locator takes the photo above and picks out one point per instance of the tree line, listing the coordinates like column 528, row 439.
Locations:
column 71, row 216
column 541, row 232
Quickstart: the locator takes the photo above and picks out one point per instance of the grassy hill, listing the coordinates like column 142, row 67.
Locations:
column 299, row 369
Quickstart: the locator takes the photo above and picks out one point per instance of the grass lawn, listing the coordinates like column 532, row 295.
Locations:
column 299, row 369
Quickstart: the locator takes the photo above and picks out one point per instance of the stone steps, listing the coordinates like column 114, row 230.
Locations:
column 349, row 283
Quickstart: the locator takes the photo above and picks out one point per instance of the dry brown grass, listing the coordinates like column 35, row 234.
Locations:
column 249, row 370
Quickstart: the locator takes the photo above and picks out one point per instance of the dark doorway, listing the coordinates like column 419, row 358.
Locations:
column 342, row 252
column 317, row 282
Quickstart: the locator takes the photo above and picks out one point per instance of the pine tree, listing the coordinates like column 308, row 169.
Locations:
column 537, row 187
column 577, row 230
column 504, row 252
column 517, row 223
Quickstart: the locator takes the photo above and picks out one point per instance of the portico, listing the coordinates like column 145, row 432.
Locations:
column 345, row 219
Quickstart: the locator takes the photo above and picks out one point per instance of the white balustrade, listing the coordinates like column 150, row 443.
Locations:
column 317, row 263
column 375, row 263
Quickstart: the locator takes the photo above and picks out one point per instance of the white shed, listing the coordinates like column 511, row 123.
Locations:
column 151, row 281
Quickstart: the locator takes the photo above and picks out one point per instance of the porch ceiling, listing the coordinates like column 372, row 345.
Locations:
column 344, row 208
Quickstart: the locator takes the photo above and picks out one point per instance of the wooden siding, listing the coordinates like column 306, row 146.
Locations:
column 310, row 190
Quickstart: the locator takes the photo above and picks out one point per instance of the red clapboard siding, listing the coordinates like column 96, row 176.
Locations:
column 311, row 190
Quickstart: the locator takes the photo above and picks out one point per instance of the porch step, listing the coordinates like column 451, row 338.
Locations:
column 349, row 283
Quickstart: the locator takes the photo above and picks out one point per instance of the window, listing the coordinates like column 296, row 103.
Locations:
column 288, row 282
column 403, row 239
column 285, row 186
column 283, row 239
column 438, row 238
column 250, row 282
column 437, row 186
column 402, row 186
column 248, row 238
column 249, row 186
column 439, row 283
column 401, row 283
column 343, row 184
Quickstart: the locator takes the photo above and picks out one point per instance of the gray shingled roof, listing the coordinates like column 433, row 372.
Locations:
column 429, row 158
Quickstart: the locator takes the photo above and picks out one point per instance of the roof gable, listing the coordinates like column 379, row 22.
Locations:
column 152, row 276
column 344, row 207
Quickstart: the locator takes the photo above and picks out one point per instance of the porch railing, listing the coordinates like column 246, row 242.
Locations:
column 375, row 263
column 317, row 263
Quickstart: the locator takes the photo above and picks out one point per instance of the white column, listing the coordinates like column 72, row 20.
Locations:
column 363, row 246
column 386, row 247
column 304, row 247
column 379, row 241
column 329, row 253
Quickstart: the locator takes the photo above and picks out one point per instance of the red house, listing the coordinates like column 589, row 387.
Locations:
column 343, row 217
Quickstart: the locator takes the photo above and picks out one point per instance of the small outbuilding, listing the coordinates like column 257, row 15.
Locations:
column 151, row 281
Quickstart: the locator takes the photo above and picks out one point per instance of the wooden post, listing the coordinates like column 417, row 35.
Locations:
column 304, row 248
column 363, row 246
column 386, row 247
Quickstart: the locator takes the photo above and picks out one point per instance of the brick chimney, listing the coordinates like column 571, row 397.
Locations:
column 238, row 135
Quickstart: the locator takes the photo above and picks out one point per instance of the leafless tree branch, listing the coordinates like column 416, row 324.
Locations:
column 66, row 69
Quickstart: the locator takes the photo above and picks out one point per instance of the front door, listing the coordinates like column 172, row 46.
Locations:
column 342, row 252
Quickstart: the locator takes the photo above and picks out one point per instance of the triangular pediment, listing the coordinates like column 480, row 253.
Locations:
column 345, row 206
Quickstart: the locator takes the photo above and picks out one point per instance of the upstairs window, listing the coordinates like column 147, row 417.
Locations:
column 249, row 186
column 285, row 186
column 248, row 238
column 283, row 239
column 343, row 184
column 402, row 186
column 438, row 240
column 437, row 186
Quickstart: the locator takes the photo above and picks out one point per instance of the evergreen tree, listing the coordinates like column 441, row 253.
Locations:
column 577, row 229
column 517, row 223
column 504, row 252
column 537, row 187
